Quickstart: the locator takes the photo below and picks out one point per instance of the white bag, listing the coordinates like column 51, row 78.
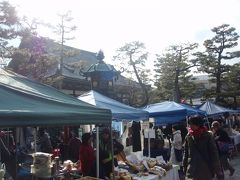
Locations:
column 2, row 171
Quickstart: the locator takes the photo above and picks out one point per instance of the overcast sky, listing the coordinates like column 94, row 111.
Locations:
column 109, row 24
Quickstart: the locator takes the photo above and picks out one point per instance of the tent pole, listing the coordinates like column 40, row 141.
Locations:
column 149, row 148
column 35, row 139
column 97, row 149
column 208, row 124
column 111, row 138
column 16, row 157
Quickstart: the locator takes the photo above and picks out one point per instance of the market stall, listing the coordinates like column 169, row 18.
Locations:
column 120, row 111
column 170, row 112
column 212, row 109
column 215, row 111
column 140, row 167
column 132, row 168
column 27, row 103
column 172, row 174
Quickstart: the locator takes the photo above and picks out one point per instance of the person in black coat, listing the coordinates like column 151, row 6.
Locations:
column 43, row 141
column 222, row 137
column 136, row 136
column 200, row 160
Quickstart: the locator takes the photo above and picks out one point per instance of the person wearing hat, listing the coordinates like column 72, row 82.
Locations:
column 86, row 154
column 223, row 141
column 43, row 141
column 201, row 160
column 105, row 152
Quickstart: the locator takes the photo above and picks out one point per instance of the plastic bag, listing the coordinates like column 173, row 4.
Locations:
column 223, row 146
column 2, row 170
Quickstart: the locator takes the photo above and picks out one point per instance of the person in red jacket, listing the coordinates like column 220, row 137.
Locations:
column 87, row 154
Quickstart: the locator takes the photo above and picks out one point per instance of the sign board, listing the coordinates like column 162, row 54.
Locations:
column 149, row 133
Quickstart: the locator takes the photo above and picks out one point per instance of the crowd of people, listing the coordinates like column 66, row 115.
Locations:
column 83, row 151
column 201, row 151
column 205, row 151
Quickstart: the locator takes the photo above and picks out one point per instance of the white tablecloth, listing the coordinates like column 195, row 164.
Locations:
column 236, row 139
column 172, row 174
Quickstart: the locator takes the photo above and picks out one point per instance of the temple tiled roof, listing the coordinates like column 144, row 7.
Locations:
column 75, row 62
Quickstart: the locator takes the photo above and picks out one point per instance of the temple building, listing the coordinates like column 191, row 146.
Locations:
column 72, row 70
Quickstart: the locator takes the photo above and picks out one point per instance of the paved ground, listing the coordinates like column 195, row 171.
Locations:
column 235, row 162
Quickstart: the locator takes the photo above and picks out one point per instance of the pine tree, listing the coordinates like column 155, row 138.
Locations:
column 132, row 58
column 231, row 84
column 172, row 71
column 216, row 51
column 63, row 29
column 9, row 23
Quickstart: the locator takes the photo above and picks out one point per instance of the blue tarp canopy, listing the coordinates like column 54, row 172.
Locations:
column 170, row 112
column 27, row 103
column 119, row 110
column 212, row 109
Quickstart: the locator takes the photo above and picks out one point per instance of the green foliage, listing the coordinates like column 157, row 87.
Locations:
column 165, row 73
column 31, row 61
column 187, row 87
column 8, row 28
column 132, row 59
column 231, row 81
column 32, row 58
column 131, row 54
column 216, row 51
column 172, row 69
column 37, row 55
column 154, row 96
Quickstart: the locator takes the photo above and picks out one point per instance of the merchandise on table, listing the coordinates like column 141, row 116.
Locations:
column 68, row 165
column 151, row 163
column 143, row 166
column 135, row 168
column 42, row 165
column 89, row 178
column 121, row 174
column 158, row 171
